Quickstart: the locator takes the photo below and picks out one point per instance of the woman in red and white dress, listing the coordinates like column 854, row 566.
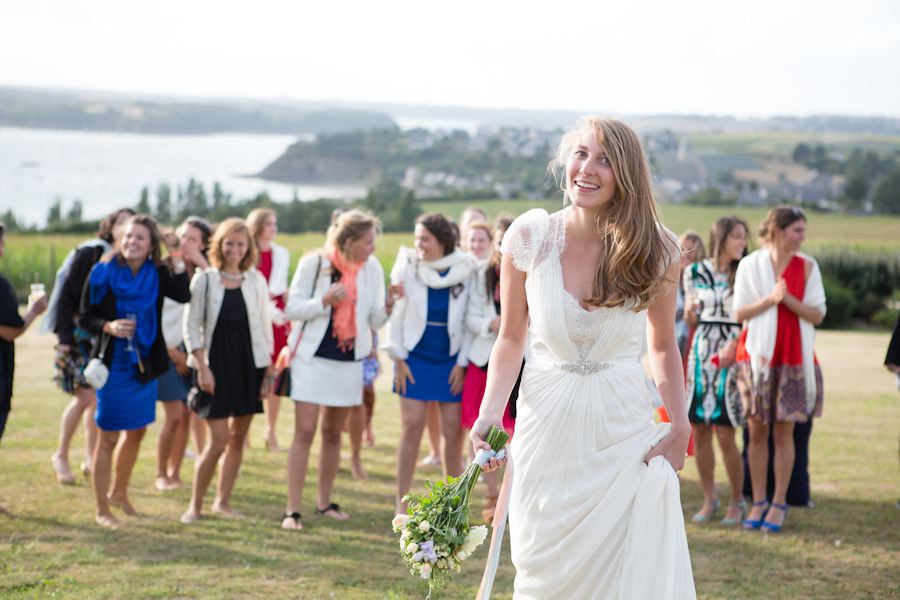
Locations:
column 274, row 264
column 778, row 293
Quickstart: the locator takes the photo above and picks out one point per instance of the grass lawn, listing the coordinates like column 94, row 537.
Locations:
column 847, row 547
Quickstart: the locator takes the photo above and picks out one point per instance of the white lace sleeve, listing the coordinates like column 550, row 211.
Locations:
column 524, row 239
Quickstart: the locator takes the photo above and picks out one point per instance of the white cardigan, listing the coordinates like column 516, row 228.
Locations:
column 480, row 311
column 281, row 265
column 304, row 304
column 207, row 293
column 408, row 320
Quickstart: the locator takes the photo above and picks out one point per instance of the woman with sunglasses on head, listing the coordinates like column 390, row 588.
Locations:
column 75, row 344
column 338, row 297
column 187, row 247
column 274, row 263
column 123, row 298
column 778, row 294
column 228, row 333
column 712, row 394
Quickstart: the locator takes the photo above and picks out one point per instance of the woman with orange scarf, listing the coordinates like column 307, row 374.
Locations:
column 336, row 299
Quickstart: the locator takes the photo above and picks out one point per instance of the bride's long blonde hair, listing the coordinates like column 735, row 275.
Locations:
column 636, row 256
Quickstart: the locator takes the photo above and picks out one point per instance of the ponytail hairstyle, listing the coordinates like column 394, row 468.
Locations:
column 637, row 252
column 778, row 217
column 349, row 226
column 719, row 232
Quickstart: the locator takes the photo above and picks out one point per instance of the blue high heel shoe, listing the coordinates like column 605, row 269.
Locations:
column 755, row 524
column 771, row 526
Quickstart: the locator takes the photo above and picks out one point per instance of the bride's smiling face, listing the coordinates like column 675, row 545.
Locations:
column 590, row 180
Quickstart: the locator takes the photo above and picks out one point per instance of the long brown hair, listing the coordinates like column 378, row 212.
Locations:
column 226, row 228
column 718, row 233
column 636, row 257
column 491, row 277
column 350, row 226
column 105, row 230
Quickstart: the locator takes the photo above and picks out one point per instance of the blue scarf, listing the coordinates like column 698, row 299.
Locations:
column 135, row 294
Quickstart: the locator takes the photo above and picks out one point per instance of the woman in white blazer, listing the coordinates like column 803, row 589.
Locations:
column 337, row 297
column 228, row 334
column 274, row 263
column 425, row 335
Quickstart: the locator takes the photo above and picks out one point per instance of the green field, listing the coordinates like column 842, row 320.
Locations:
column 780, row 144
column 27, row 254
column 847, row 547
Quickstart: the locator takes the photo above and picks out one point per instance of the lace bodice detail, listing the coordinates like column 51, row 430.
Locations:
column 584, row 327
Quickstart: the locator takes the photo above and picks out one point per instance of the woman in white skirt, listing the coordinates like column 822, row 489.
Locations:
column 337, row 297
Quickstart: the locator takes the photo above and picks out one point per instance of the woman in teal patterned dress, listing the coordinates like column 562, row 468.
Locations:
column 711, row 384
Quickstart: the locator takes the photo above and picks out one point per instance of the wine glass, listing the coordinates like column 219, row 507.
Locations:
column 131, row 317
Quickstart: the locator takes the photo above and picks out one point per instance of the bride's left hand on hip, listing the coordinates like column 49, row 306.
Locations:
column 672, row 449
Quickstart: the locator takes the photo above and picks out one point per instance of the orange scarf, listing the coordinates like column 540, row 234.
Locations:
column 343, row 313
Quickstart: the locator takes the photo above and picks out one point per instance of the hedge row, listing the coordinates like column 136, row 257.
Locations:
column 859, row 281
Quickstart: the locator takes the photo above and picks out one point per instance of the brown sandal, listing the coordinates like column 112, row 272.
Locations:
column 490, row 507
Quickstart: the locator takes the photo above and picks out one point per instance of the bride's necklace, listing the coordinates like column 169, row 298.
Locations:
column 238, row 277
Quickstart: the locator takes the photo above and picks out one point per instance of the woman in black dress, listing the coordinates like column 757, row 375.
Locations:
column 228, row 332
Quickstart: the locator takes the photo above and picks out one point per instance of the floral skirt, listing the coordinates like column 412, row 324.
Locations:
column 781, row 397
column 70, row 365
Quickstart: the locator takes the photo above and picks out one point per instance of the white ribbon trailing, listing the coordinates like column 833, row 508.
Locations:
column 498, row 524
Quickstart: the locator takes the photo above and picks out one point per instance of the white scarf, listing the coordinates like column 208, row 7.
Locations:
column 755, row 279
column 458, row 262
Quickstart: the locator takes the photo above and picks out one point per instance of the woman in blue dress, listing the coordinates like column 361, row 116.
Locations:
column 123, row 301
column 425, row 333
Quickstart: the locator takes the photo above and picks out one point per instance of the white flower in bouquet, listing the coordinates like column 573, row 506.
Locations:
column 412, row 548
column 461, row 555
column 424, row 526
column 400, row 522
column 425, row 570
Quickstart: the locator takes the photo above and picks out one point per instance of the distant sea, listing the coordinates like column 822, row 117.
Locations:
column 108, row 170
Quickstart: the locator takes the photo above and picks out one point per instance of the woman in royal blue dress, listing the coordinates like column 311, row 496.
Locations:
column 425, row 333
column 123, row 301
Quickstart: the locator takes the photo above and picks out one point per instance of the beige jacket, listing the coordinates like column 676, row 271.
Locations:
column 207, row 293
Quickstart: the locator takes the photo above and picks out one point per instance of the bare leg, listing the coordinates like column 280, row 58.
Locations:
column 333, row 419
column 369, row 403
column 451, row 451
column 102, row 463
column 165, row 444
column 706, row 466
column 82, row 399
column 434, row 435
column 179, row 445
column 306, row 418
column 413, row 414
column 734, row 466
column 273, row 405
column 356, row 422
column 758, row 457
column 783, row 434
column 234, row 454
column 126, row 456
column 198, row 430
column 91, row 433
column 205, row 467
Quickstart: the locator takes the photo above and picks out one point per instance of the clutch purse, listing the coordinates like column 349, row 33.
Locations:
column 96, row 373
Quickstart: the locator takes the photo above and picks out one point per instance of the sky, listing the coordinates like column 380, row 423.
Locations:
column 631, row 57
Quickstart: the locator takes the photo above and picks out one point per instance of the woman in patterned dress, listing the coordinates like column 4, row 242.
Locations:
column 778, row 293
column 711, row 389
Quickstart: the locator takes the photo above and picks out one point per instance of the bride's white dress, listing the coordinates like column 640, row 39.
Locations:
column 588, row 519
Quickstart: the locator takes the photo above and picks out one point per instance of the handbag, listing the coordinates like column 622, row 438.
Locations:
column 281, row 377
column 193, row 397
column 96, row 373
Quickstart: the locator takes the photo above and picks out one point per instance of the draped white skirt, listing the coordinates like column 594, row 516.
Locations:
column 588, row 519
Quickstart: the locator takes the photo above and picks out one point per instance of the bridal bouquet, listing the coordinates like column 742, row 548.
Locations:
column 435, row 536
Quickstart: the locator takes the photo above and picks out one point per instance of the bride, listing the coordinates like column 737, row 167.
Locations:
column 594, row 510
